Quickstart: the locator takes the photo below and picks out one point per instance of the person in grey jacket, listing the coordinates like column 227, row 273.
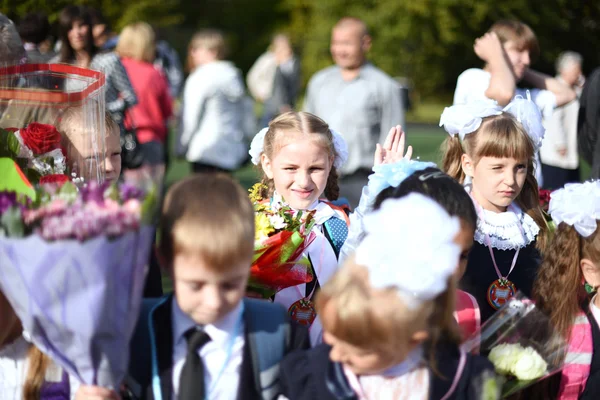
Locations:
column 214, row 108
column 356, row 99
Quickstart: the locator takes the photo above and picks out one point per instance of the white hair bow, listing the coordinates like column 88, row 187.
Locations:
column 410, row 246
column 339, row 144
column 463, row 119
column 578, row 205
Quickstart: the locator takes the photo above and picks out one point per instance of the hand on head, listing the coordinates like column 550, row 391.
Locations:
column 488, row 46
column 393, row 149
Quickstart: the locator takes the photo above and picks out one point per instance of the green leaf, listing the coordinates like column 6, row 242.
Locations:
column 13, row 144
column 150, row 206
column 13, row 179
column 12, row 222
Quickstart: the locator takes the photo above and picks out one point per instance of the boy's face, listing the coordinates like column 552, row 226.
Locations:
column 519, row 58
column 207, row 294
column 80, row 153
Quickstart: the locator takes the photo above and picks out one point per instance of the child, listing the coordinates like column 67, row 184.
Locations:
column 395, row 176
column 207, row 329
column 507, row 50
column 214, row 110
column 300, row 156
column 572, row 260
column 83, row 160
column 492, row 153
column 387, row 316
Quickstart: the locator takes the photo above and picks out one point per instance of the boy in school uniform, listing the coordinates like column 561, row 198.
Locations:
column 206, row 341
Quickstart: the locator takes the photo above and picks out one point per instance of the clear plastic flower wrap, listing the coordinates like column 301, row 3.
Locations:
column 53, row 121
column 521, row 342
column 73, row 264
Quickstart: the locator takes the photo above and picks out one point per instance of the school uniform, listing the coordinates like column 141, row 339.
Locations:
column 231, row 359
column 310, row 374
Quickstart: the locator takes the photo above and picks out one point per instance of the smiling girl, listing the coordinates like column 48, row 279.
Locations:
column 491, row 151
column 299, row 156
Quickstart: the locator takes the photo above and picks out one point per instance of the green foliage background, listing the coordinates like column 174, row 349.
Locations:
column 428, row 41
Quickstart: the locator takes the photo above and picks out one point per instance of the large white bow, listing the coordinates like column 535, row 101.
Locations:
column 410, row 246
column 578, row 205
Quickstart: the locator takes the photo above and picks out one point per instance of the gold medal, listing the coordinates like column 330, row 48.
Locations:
column 303, row 312
column 500, row 292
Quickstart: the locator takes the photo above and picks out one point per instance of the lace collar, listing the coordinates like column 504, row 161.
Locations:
column 504, row 229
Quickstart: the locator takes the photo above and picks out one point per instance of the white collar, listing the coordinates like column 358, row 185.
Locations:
column 220, row 332
column 323, row 210
column 504, row 229
column 412, row 361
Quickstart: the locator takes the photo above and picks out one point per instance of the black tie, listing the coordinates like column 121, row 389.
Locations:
column 191, row 380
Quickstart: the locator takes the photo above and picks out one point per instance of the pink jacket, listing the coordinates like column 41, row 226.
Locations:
column 578, row 360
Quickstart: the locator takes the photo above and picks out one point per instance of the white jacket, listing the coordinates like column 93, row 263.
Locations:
column 214, row 116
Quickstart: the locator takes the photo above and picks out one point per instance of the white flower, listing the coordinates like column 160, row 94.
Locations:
column 530, row 365
column 504, row 357
column 277, row 221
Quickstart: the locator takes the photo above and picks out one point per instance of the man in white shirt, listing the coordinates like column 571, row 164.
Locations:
column 356, row 99
column 559, row 153
column 507, row 50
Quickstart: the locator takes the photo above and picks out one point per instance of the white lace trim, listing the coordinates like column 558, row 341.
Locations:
column 504, row 229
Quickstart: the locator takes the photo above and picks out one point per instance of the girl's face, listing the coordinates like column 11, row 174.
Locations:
column 496, row 181
column 78, row 34
column 299, row 171
column 464, row 238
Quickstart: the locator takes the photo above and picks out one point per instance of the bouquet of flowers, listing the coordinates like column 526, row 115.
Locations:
column 521, row 343
column 73, row 250
column 282, row 235
column 72, row 265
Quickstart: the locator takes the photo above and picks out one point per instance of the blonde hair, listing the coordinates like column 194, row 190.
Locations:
column 363, row 320
column 137, row 41
column 210, row 216
column 37, row 363
column 500, row 136
column 302, row 123
column 209, row 39
column 519, row 33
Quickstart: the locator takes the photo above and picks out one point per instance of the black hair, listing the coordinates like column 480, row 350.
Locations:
column 68, row 16
column 34, row 27
column 438, row 186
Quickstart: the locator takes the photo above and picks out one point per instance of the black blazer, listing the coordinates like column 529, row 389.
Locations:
column 141, row 363
column 308, row 375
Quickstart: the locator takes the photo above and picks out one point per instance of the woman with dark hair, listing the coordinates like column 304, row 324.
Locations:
column 78, row 48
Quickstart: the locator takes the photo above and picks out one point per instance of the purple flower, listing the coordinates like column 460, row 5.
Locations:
column 93, row 192
column 7, row 200
column 128, row 192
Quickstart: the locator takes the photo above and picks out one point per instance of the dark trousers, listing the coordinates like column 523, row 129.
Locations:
column 556, row 177
column 351, row 186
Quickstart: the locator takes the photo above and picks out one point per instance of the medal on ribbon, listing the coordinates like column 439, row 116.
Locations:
column 303, row 312
column 499, row 292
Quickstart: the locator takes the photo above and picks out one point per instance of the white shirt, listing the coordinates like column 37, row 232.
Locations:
column 472, row 84
column 213, row 354
column 324, row 262
column 561, row 132
column 13, row 371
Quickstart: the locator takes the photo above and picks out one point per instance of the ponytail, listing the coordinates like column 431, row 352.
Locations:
column 37, row 362
column 558, row 289
column 452, row 160
column 332, row 188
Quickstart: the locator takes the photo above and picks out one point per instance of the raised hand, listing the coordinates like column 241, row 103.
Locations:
column 488, row 46
column 393, row 148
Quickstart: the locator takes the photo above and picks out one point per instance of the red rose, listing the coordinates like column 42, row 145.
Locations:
column 55, row 178
column 40, row 138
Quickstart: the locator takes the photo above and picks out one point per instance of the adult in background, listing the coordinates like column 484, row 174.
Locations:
column 356, row 99
column 34, row 30
column 559, row 152
column 213, row 123
column 137, row 49
column 78, row 48
column 588, row 126
column 11, row 47
column 274, row 79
